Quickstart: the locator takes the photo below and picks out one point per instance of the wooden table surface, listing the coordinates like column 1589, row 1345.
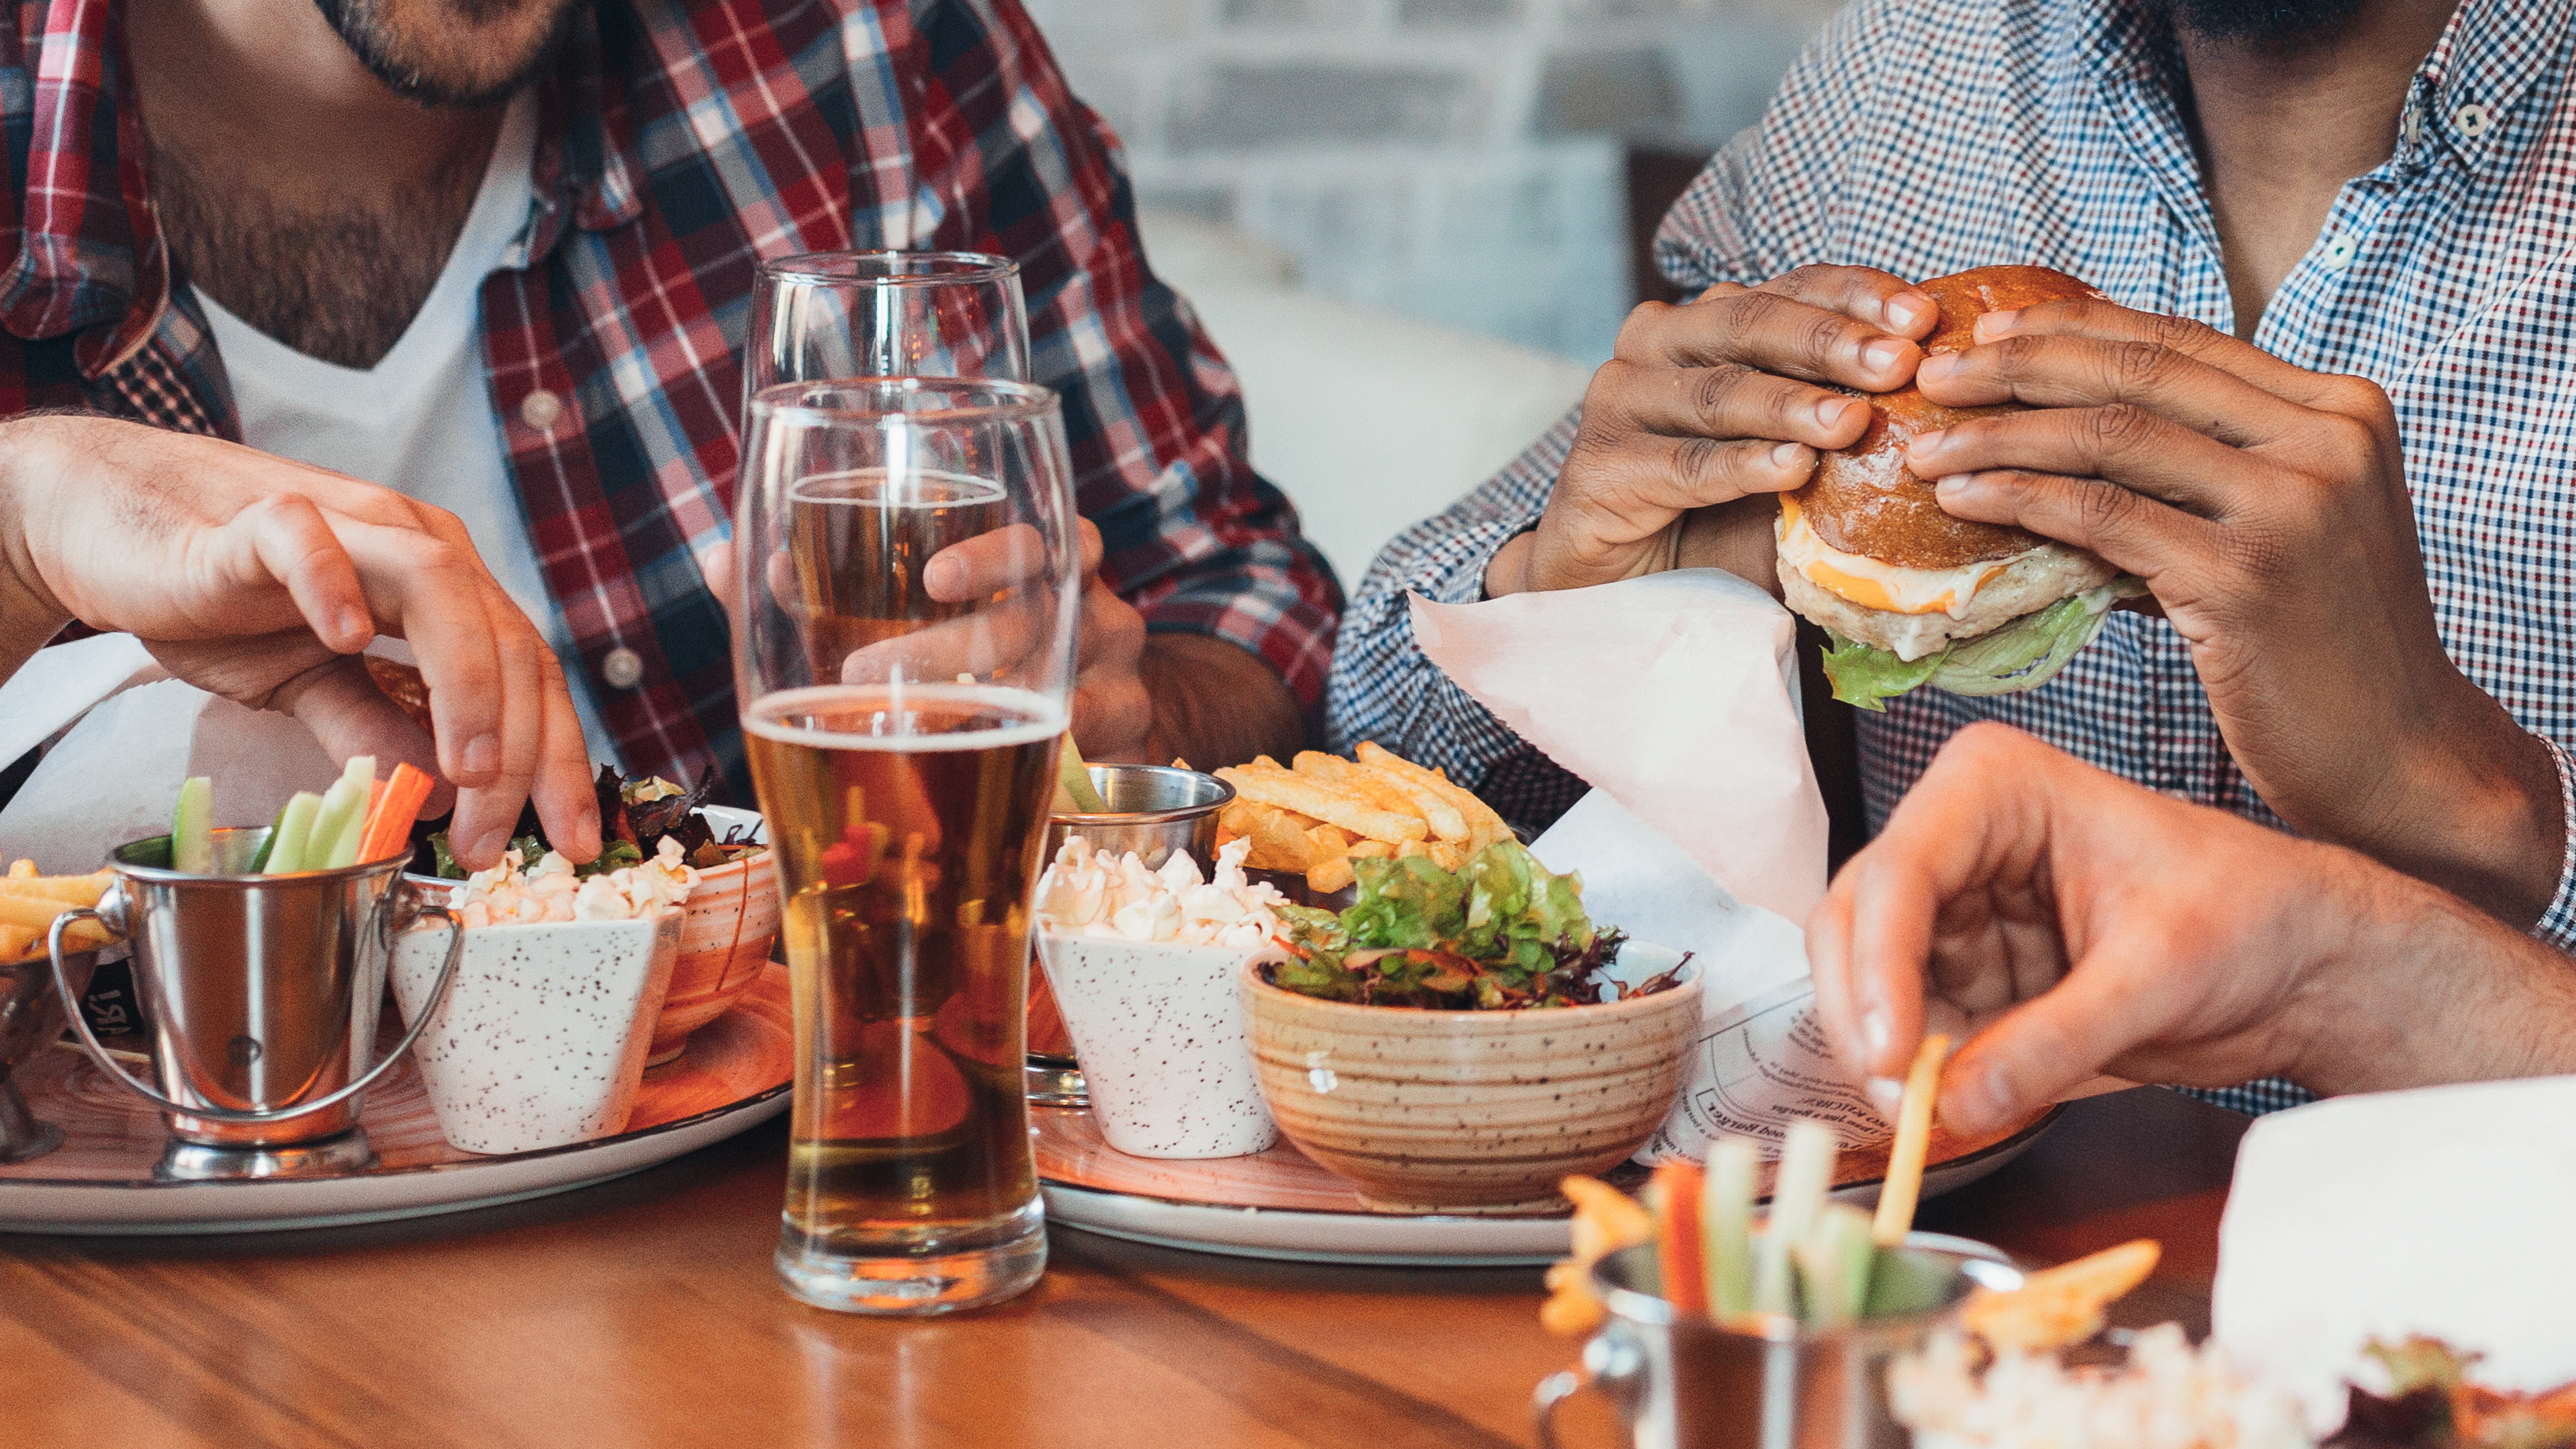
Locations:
column 644, row 1312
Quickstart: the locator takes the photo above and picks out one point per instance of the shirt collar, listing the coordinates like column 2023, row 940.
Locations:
column 2469, row 92
column 2479, row 92
column 86, row 254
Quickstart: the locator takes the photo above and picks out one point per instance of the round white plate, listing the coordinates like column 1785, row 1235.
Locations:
column 142, row 1206
column 1396, row 1240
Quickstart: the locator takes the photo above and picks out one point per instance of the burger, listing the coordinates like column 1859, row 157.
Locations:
column 1909, row 594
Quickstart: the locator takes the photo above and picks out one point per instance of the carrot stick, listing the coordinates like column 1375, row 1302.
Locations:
column 397, row 805
column 1675, row 1205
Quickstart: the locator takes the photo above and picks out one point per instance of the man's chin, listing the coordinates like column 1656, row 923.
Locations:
column 2263, row 24
column 461, row 53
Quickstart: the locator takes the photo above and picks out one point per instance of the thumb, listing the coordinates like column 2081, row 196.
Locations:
column 2067, row 1035
column 716, row 567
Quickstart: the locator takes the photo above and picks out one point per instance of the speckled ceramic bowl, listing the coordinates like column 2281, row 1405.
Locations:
column 541, row 1041
column 1158, row 1028
column 1476, row 1111
column 726, row 934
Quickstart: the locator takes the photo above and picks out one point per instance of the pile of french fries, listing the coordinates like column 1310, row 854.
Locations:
column 1319, row 816
column 29, row 902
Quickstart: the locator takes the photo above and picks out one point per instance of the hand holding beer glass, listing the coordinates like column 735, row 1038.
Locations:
column 903, row 742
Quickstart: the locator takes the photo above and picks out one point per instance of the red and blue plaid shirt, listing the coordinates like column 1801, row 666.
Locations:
column 679, row 142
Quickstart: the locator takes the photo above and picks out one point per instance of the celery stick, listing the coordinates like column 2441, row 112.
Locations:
column 1726, row 1223
column 1806, row 1170
column 1834, row 1260
column 1074, row 780
column 192, row 828
column 343, row 817
column 1906, row 1281
column 289, row 842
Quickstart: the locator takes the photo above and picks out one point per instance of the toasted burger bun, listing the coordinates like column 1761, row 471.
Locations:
column 1863, row 500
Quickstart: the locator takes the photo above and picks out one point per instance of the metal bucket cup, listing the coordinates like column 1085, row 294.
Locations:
column 262, row 991
column 1155, row 811
column 1687, row 1383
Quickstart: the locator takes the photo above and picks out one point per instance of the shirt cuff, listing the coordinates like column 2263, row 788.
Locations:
column 2557, row 925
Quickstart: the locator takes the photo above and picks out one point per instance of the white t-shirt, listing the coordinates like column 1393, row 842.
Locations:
column 421, row 421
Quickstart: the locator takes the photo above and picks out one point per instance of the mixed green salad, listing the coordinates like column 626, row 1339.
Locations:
column 634, row 816
column 1500, row 933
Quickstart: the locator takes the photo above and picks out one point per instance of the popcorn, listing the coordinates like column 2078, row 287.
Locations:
column 2168, row 1396
column 1089, row 892
column 511, row 894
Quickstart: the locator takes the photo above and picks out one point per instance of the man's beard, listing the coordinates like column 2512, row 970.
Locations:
column 2265, row 24
column 394, row 51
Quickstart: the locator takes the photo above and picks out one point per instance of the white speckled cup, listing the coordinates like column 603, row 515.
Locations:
column 541, row 1042
column 1158, row 1028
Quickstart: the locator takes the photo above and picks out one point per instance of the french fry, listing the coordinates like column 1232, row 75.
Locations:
column 1408, row 849
column 17, row 943
column 1280, row 842
column 1904, row 1185
column 79, row 890
column 32, row 912
column 1235, row 821
column 1484, row 826
column 1449, row 855
column 22, row 870
column 1371, row 850
column 1311, row 797
column 1329, row 875
column 1327, row 840
column 1362, row 785
column 2063, row 1305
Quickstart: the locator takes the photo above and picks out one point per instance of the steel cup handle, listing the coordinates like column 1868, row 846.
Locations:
column 250, row 1116
column 1553, row 1390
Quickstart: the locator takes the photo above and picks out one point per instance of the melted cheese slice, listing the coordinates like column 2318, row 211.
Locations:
column 1876, row 585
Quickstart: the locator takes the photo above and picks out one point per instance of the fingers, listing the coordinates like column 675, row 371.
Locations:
column 1112, row 712
column 2053, row 1042
column 989, row 563
column 1847, row 325
column 2110, row 322
column 1730, row 401
column 559, row 784
column 2122, row 444
column 2074, row 372
column 438, row 598
column 2133, row 532
column 715, row 566
column 294, row 543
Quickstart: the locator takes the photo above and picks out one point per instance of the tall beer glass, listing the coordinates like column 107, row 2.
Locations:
column 829, row 315
column 903, row 724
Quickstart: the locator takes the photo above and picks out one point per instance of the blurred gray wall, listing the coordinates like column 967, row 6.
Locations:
column 1455, row 160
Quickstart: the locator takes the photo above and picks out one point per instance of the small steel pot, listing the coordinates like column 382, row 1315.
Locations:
column 1687, row 1383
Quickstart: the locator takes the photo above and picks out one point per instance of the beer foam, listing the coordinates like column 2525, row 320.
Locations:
column 1024, row 716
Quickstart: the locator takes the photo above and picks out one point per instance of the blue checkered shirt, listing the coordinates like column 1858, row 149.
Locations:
column 1928, row 136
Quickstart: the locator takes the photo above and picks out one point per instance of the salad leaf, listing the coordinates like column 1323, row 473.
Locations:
column 2023, row 654
column 1502, row 932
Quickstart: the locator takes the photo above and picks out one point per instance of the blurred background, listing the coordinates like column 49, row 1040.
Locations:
column 1414, row 225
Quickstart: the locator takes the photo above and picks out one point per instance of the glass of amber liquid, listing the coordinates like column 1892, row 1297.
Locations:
column 903, row 741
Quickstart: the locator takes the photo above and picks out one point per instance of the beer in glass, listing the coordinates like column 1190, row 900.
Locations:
column 905, row 760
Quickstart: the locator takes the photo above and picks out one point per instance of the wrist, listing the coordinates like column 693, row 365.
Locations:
column 1507, row 572
column 29, row 609
column 2482, row 814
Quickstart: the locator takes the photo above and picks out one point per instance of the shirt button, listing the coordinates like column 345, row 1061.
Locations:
column 622, row 667
column 2339, row 250
column 2472, row 121
column 539, row 409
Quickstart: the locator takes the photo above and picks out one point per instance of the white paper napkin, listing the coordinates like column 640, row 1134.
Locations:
column 2444, row 1211
column 60, row 684
column 1678, row 695
column 115, row 777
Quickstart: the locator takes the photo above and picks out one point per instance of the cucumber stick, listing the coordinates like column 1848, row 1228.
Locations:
column 287, row 843
column 1834, row 1262
column 192, row 828
column 1726, row 1223
column 1797, row 1195
column 342, row 818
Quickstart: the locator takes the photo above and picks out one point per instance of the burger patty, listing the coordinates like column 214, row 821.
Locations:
column 2027, row 585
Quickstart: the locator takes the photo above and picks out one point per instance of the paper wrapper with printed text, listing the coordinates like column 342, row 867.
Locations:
column 1675, row 697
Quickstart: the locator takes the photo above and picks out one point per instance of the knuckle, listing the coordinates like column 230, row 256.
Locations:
column 2182, row 334
column 1637, row 332
column 2118, row 428
column 2137, row 366
column 1712, row 389
column 2105, row 509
